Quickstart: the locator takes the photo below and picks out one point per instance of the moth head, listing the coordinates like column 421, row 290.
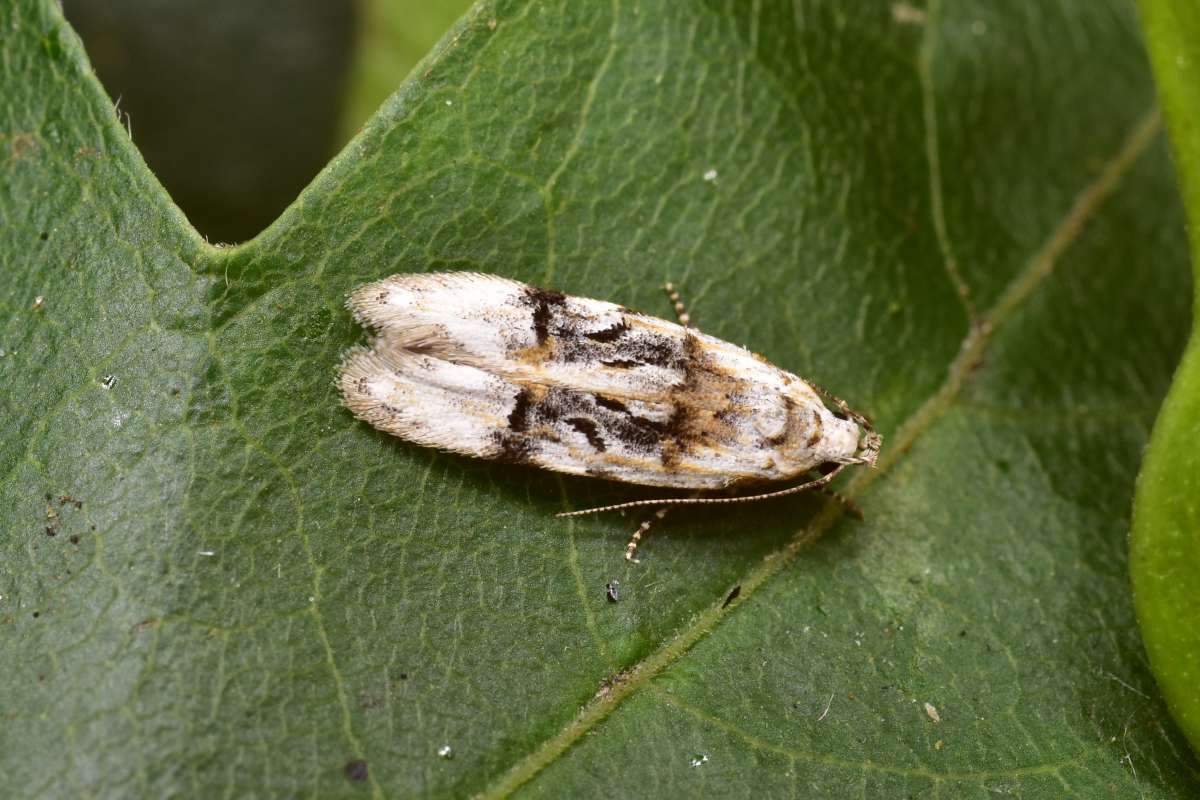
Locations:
column 868, row 448
column 830, row 434
column 868, row 441
column 833, row 437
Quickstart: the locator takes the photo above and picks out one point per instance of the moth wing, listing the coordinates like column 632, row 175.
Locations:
column 526, row 333
column 459, row 316
column 463, row 409
column 426, row 400
column 490, row 367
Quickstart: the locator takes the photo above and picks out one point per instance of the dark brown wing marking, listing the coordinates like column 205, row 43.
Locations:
column 567, row 326
column 590, row 431
column 610, row 334
column 514, row 448
column 705, row 407
column 604, row 423
column 544, row 304
column 518, row 418
column 612, row 404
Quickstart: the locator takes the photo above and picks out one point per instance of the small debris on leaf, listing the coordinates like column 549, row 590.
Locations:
column 356, row 770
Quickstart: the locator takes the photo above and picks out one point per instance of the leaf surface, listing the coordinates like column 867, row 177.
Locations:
column 957, row 217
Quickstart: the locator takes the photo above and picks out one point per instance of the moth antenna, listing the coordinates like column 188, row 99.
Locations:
column 698, row 501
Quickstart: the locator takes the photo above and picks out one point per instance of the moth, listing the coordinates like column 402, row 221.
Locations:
column 489, row 367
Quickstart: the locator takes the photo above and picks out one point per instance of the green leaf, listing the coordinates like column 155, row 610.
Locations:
column 960, row 218
column 1165, row 546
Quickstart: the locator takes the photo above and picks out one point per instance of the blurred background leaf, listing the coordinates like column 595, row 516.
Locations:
column 236, row 106
column 393, row 36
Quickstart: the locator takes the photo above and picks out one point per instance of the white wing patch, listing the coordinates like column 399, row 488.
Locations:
column 397, row 391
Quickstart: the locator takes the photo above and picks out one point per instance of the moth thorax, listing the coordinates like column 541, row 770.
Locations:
column 839, row 439
column 816, row 435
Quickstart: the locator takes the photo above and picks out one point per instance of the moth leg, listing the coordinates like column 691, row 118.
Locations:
column 632, row 547
column 846, row 502
column 685, row 319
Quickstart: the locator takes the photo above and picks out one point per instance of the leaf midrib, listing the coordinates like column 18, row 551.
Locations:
column 1086, row 205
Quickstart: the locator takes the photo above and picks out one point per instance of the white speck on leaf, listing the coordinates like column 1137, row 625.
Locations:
column 38, row 301
column 445, row 752
column 932, row 712
column 825, row 713
column 699, row 760
column 710, row 176
column 207, row 553
column 1112, row 677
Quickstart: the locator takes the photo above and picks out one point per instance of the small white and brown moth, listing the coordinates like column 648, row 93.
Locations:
column 489, row 367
